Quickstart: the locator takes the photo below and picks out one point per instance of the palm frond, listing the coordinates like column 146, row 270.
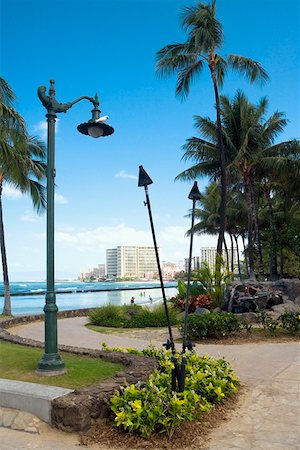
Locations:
column 186, row 77
column 248, row 67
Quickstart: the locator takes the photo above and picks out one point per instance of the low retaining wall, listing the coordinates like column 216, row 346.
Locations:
column 77, row 411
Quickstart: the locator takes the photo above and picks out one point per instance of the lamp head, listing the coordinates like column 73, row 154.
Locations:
column 195, row 194
column 144, row 179
column 95, row 129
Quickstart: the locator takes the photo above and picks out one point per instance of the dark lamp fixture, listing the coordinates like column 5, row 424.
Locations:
column 95, row 129
column 195, row 194
column 144, row 179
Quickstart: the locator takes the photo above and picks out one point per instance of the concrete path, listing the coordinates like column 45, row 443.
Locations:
column 269, row 415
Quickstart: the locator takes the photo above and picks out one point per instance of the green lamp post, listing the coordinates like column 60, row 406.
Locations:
column 51, row 362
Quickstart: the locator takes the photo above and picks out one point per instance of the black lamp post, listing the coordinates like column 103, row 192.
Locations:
column 51, row 362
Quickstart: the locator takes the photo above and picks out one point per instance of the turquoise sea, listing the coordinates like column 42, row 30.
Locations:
column 29, row 297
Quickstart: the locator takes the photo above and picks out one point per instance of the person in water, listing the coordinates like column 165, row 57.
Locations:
column 132, row 300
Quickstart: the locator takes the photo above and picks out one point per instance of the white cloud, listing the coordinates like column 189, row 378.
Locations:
column 10, row 192
column 124, row 174
column 42, row 127
column 60, row 199
column 28, row 216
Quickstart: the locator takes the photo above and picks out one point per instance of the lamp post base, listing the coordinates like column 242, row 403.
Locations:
column 51, row 364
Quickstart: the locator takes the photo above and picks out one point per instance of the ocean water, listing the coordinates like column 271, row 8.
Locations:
column 31, row 302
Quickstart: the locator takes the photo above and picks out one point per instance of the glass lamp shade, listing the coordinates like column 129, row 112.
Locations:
column 95, row 129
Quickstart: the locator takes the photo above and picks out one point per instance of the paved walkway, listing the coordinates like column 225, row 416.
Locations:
column 269, row 415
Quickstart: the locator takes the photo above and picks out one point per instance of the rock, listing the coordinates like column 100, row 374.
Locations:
column 9, row 417
column 217, row 309
column 288, row 306
column 18, row 423
column 297, row 301
column 200, row 311
column 248, row 317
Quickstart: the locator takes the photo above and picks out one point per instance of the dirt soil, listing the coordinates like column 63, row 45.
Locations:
column 190, row 436
column 245, row 337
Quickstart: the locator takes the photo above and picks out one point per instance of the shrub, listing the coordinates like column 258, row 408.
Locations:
column 151, row 406
column 212, row 325
column 108, row 316
column 290, row 321
column 155, row 317
column 131, row 316
column 199, row 301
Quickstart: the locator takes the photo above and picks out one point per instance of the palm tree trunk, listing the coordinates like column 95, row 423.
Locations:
column 238, row 255
column 227, row 255
column 245, row 255
column 7, row 301
column 281, row 262
column 250, row 232
column 222, row 210
column 260, row 262
column 232, row 265
column 273, row 256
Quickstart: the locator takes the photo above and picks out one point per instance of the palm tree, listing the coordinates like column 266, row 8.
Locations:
column 250, row 152
column 21, row 166
column 202, row 47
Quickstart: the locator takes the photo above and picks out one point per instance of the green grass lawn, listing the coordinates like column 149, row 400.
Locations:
column 115, row 330
column 18, row 362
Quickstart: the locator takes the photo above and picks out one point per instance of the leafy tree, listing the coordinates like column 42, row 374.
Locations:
column 21, row 166
column 202, row 47
column 251, row 155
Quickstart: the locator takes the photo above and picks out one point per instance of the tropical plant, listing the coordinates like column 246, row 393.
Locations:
column 202, row 47
column 151, row 406
column 131, row 316
column 213, row 325
column 215, row 280
column 21, row 166
column 250, row 155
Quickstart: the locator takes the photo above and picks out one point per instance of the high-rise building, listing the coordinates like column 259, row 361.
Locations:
column 195, row 263
column 95, row 272
column 130, row 261
column 111, row 262
column 208, row 254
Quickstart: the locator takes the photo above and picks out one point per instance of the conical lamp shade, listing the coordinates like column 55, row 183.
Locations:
column 144, row 179
column 195, row 194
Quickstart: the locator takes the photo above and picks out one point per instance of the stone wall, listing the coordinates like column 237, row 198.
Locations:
column 77, row 410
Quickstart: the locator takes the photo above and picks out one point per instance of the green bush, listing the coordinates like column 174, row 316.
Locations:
column 290, row 321
column 287, row 321
column 154, row 317
column 108, row 316
column 131, row 316
column 212, row 325
column 150, row 406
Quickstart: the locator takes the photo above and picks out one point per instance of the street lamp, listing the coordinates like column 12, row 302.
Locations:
column 51, row 362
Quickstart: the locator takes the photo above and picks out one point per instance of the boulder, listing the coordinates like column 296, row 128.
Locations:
column 288, row 306
column 200, row 311
column 297, row 301
column 248, row 317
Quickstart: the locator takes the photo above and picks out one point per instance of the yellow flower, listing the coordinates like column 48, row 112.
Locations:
column 219, row 392
column 176, row 401
column 120, row 417
column 136, row 405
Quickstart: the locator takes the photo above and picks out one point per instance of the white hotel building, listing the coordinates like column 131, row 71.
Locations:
column 132, row 262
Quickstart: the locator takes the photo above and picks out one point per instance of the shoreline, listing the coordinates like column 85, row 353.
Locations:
column 84, row 291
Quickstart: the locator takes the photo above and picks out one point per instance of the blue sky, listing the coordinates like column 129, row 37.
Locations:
column 109, row 47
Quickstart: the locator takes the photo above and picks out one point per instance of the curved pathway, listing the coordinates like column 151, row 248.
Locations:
column 269, row 413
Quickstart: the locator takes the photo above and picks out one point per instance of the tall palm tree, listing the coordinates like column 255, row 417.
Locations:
column 202, row 47
column 21, row 166
column 249, row 142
